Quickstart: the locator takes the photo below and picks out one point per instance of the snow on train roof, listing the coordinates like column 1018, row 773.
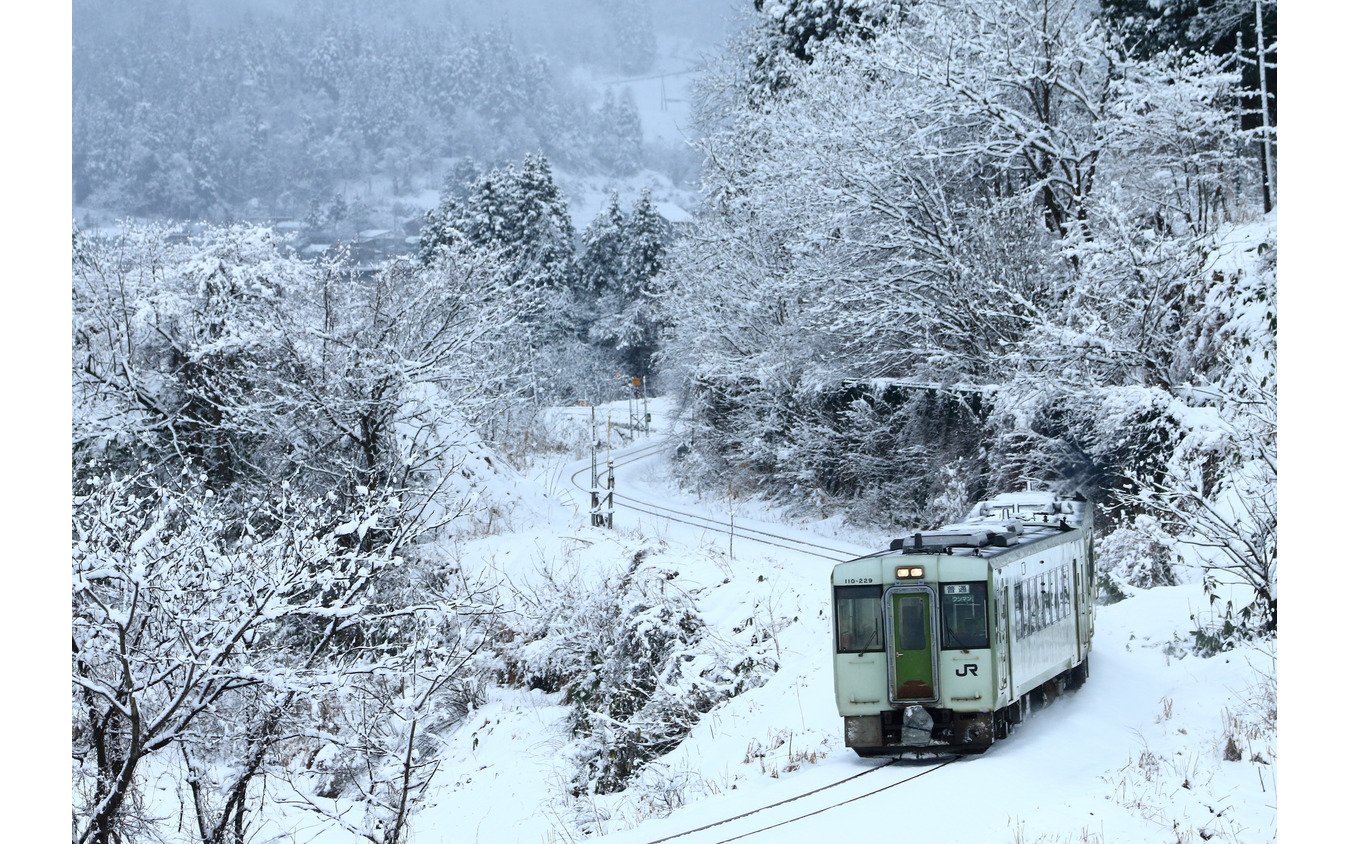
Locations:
column 1013, row 503
column 1024, row 509
column 999, row 524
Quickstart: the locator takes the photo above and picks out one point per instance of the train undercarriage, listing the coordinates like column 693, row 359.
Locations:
column 918, row 729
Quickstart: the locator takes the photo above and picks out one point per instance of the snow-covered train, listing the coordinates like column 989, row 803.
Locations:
column 944, row 642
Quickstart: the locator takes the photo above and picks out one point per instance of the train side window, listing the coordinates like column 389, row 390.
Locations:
column 857, row 619
column 1047, row 601
column 1037, row 603
column 1019, row 624
column 1051, row 600
column 1037, row 623
column 1029, row 625
column 965, row 616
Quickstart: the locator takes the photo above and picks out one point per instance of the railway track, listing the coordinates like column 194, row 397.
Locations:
column 635, row 454
column 709, row 523
column 833, row 805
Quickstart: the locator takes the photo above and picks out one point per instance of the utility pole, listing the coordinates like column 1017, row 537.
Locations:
column 1267, row 157
column 641, row 423
column 602, row 498
column 633, row 425
column 731, row 521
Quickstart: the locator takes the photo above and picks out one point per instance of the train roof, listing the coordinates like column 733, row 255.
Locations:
column 1000, row 525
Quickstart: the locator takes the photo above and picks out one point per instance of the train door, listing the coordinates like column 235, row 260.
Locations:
column 1002, row 640
column 1077, row 612
column 911, row 637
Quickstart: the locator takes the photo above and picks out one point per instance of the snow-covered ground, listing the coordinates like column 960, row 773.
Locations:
column 1159, row 746
column 1142, row 753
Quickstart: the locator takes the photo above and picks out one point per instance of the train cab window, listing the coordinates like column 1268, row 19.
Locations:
column 857, row 619
column 965, row 616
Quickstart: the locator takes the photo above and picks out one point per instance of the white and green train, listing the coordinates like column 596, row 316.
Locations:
column 944, row 642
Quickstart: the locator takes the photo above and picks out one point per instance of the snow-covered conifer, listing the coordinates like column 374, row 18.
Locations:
column 601, row 262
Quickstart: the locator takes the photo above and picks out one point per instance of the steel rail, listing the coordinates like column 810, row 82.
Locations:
column 709, row 522
column 716, row 528
column 874, row 791
column 723, row 527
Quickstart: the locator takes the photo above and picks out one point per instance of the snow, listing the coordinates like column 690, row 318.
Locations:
column 495, row 768
column 1136, row 755
column 588, row 196
column 662, row 94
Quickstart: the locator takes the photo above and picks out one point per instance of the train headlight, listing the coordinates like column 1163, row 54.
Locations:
column 908, row 571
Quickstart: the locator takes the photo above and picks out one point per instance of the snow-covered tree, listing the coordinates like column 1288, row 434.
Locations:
column 645, row 236
column 230, row 642
column 1219, row 492
column 179, row 351
column 520, row 216
column 627, row 316
column 395, row 347
column 600, row 265
column 546, row 236
column 255, row 366
column 988, row 192
column 790, row 31
column 618, row 133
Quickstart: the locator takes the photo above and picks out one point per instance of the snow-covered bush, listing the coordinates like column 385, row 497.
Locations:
column 1218, row 494
column 883, row 453
column 902, row 454
column 242, row 654
column 1100, row 442
column 635, row 663
column 1135, row 555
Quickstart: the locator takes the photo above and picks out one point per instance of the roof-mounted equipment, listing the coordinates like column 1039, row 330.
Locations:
column 943, row 541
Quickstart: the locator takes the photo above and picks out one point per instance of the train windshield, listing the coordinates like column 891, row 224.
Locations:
column 857, row 619
column 965, row 616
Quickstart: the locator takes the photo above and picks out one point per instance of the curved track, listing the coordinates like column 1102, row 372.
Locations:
column 763, row 537
column 637, row 453
column 833, row 805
